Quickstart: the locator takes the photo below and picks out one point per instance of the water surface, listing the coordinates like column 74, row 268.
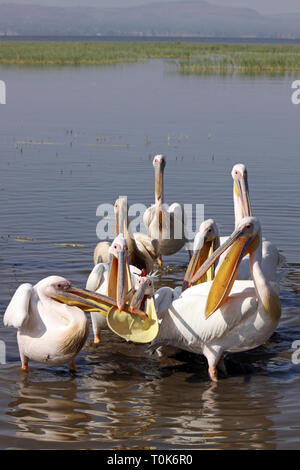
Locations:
column 72, row 138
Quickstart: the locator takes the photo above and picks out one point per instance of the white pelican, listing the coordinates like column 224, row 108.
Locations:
column 113, row 281
column 165, row 225
column 142, row 252
column 48, row 331
column 271, row 257
column 225, row 315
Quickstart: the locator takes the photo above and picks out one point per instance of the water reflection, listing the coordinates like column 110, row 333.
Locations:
column 120, row 401
column 48, row 411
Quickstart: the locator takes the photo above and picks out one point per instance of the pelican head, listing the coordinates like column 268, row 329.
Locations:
column 205, row 243
column 52, row 286
column 121, row 214
column 245, row 239
column 159, row 163
column 241, row 190
column 119, row 279
column 144, row 289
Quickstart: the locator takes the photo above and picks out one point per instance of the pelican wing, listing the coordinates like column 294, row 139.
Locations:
column 145, row 244
column 184, row 324
column 148, row 216
column 163, row 298
column 178, row 211
column 17, row 311
column 101, row 253
column 96, row 277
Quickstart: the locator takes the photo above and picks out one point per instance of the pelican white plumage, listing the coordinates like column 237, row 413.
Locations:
column 225, row 315
column 165, row 225
column 48, row 331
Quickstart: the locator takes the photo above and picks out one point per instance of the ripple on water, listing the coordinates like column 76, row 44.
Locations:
column 121, row 397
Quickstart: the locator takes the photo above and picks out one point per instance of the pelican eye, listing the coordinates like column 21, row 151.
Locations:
column 62, row 285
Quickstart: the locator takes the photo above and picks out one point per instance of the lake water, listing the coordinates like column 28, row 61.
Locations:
column 72, row 138
column 137, row 38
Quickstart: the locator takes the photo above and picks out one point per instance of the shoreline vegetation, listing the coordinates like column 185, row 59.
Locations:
column 191, row 58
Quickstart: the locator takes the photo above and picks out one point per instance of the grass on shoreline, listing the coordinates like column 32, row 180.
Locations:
column 191, row 57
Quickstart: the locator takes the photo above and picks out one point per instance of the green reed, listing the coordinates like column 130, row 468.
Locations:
column 190, row 57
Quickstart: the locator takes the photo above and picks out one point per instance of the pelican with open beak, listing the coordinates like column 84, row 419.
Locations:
column 136, row 322
column 143, row 291
column 112, row 280
column 225, row 315
column 138, row 330
column 119, row 278
column 206, row 242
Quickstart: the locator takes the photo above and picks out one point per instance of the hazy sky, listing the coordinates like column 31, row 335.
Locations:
column 263, row 6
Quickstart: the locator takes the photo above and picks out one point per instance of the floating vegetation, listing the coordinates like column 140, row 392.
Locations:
column 265, row 61
column 72, row 245
column 30, row 142
column 191, row 58
column 19, row 238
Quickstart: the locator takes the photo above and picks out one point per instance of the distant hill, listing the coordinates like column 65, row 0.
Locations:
column 189, row 17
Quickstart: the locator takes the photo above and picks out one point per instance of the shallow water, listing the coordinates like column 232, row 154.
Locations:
column 72, row 138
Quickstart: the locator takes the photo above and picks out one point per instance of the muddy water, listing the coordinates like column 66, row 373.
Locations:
column 73, row 138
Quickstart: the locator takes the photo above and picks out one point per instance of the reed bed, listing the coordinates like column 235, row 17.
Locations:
column 191, row 58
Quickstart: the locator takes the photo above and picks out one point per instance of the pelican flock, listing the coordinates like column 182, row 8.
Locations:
column 228, row 300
